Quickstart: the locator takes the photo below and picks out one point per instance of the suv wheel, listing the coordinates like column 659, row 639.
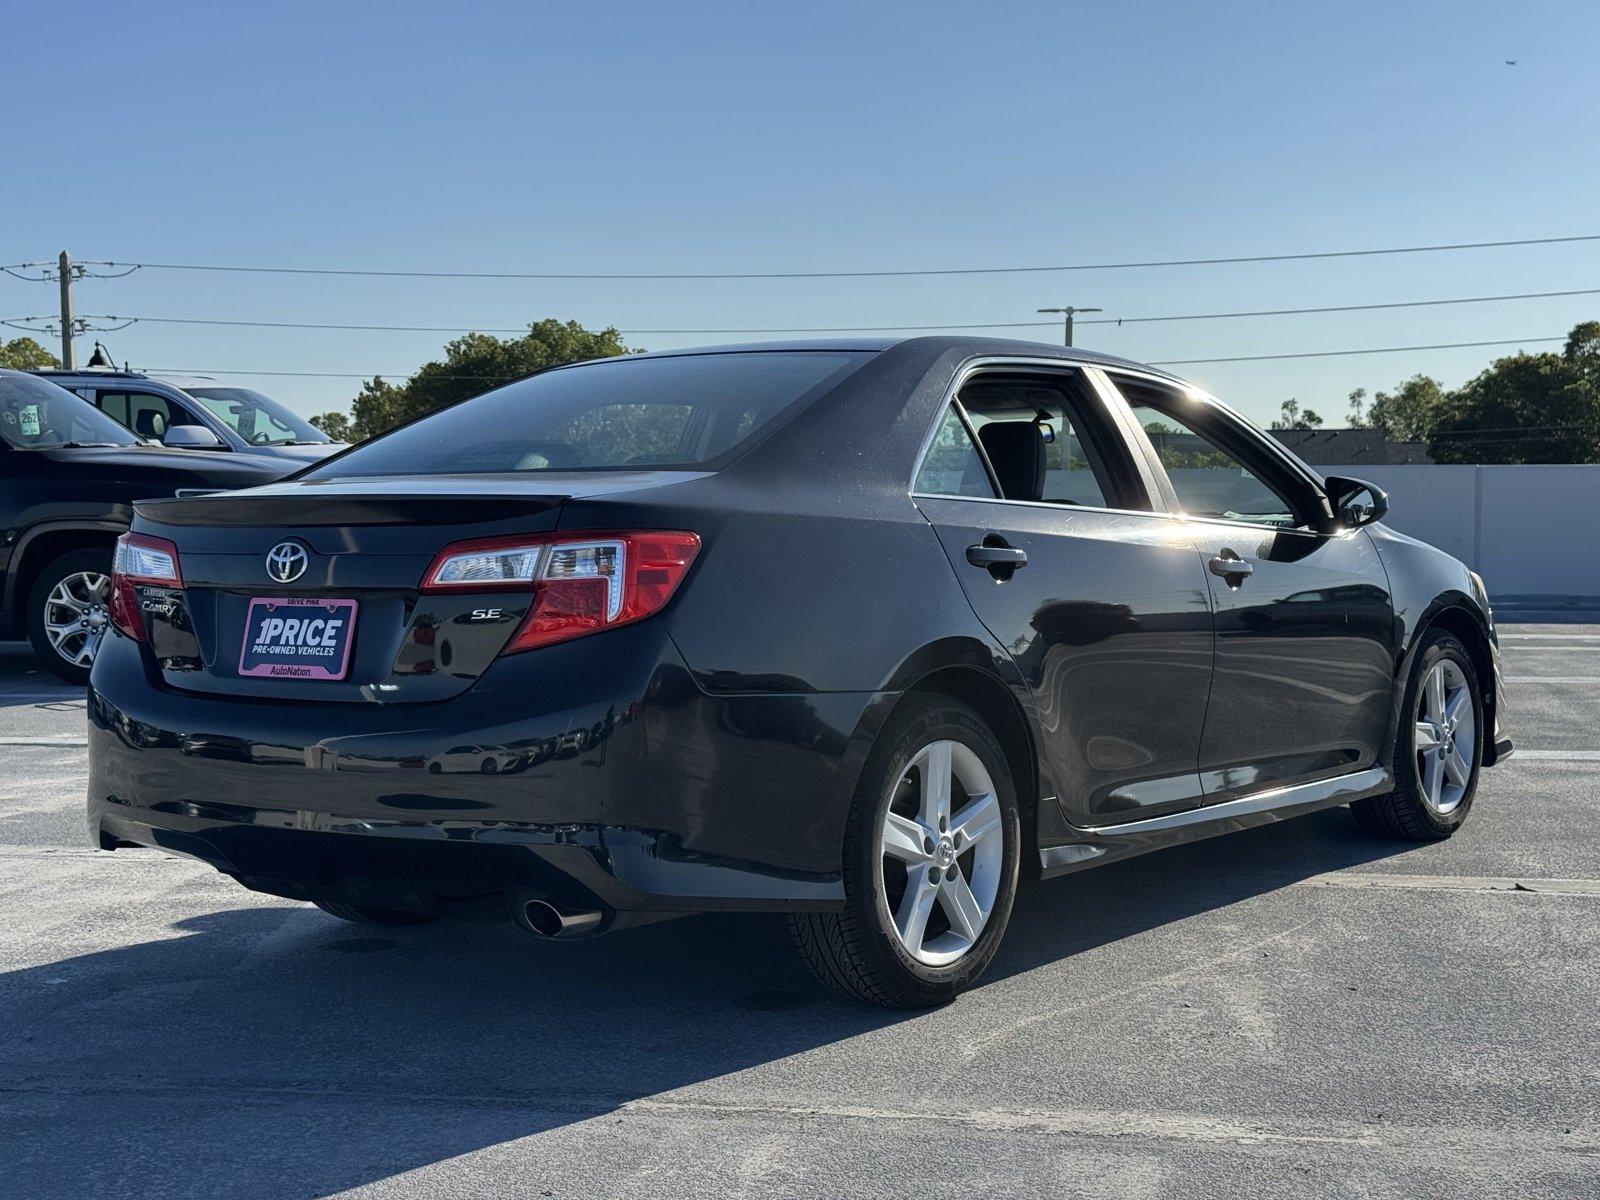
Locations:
column 69, row 609
column 930, row 863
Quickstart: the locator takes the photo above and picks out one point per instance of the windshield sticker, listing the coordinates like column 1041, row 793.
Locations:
column 30, row 420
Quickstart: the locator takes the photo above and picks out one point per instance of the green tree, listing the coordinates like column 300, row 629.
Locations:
column 336, row 425
column 1294, row 417
column 22, row 353
column 1528, row 408
column 1358, row 409
column 1408, row 413
column 471, row 364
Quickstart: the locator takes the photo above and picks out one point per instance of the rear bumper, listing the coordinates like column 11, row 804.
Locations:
column 596, row 773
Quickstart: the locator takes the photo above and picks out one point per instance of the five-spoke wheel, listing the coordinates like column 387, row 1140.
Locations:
column 1437, row 751
column 1446, row 736
column 930, row 865
column 942, row 852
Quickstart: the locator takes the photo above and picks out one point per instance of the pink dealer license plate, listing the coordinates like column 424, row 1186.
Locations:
column 291, row 637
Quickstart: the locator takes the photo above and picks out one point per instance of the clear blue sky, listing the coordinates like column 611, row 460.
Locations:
column 655, row 137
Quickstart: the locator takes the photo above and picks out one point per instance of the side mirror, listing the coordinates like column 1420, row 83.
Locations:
column 190, row 437
column 1356, row 502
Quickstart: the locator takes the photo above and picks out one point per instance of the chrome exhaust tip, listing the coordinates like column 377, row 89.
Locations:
column 543, row 919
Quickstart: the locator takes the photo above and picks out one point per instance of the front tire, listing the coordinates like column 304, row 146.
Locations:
column 1438, row 749
column 930, row 863
column 69, row 610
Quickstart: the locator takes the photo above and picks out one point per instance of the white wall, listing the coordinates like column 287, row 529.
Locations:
column 1528, row 530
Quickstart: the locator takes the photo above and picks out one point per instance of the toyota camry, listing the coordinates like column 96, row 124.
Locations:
column 859, row 632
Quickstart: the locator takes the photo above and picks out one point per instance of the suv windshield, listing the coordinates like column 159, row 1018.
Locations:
column 259, row 420
column 687, row 413
column 38, row 415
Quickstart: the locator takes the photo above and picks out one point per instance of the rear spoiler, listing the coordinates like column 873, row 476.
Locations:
column 242, row 508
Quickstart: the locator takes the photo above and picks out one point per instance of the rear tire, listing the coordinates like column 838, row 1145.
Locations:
column 1438, row 750
column 362, row 914
column 928, row 889
column 69, row 610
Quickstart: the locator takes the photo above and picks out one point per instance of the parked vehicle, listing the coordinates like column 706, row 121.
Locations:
column 193, row 412
column 68, row 477
column 856, row 631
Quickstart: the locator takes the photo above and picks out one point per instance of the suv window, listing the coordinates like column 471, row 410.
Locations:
column 259, row 420
column 145, row 413
column 1034, row 434
column 952, row 465
column 693, row 411
column 1211, row 479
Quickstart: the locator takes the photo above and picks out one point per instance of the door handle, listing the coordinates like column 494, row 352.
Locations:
column 1230, row 567
column 996, row 556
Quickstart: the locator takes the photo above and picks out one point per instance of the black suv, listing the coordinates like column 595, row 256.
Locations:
column 69, row 475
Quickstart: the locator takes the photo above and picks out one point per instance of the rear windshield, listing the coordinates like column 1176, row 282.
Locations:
column 688, row 413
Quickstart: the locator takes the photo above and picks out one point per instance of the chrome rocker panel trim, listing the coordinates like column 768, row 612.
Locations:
column 1102, row 843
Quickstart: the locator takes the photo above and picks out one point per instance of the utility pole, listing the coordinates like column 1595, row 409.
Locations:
column 1067, row 313
column 67, row 319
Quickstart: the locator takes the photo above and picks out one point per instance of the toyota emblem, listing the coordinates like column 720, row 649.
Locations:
column 287, row 561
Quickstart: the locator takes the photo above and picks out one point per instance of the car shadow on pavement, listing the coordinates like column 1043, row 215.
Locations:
column 274, row 1050
column 23, row 681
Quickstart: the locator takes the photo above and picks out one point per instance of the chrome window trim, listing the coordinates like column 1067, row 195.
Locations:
column 1059, row 506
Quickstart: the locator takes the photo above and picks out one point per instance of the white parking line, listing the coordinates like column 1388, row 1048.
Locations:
column 1552, row 678
column 1556, row 755
column 1550, row 637
column 44, row 740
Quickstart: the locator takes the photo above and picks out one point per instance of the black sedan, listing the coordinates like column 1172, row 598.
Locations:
column 855, row 631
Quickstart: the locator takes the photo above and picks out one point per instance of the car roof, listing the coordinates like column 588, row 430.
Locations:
column 89, row 373
column 932, row 345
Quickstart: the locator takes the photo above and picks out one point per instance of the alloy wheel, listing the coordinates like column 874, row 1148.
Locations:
column 941, row 853
column 76, row 613
column 1446, row 736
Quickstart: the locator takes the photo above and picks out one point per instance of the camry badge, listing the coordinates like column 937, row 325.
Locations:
column 287, row 561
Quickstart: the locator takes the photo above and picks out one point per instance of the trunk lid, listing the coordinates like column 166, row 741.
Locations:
column 367, row 541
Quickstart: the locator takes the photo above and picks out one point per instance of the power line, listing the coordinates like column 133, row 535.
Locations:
column 880, row 274
column 1184, row 362
column 1170, row 362
column 1205, row 316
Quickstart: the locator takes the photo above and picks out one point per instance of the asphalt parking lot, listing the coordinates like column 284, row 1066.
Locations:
column 1298, row 1010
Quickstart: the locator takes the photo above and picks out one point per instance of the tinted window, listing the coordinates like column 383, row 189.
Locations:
column 1072, row 472
column 259, row 420
column 952, row 466
column 145, row 413
column 691, row 412
column 1210, row 480
column 36, row 414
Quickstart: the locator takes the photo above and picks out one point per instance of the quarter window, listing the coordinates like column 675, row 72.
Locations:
column 952, row 466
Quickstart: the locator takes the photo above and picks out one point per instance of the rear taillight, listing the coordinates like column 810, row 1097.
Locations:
column 140, row 561
column 580, row 584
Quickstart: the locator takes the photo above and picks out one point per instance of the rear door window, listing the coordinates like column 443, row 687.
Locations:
column 1047, row 441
